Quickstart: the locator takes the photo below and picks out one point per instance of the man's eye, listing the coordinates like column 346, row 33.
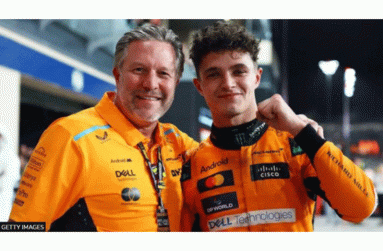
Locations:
column 239, row 72
column 164, row 73
column 212, row 74
column 138, row 69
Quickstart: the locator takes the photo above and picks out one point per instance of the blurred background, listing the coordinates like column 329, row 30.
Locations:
column 330, row 70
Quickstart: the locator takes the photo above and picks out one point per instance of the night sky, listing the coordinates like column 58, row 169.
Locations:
column 354, row 43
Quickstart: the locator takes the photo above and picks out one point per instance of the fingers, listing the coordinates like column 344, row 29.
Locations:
column 266, row 109
column 276, row 112
column 313, row 123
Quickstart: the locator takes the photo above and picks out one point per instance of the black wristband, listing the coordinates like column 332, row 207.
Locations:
column 309, row 140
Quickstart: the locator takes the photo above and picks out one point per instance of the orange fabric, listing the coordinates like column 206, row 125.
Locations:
column 261, row 187
column 94, row 155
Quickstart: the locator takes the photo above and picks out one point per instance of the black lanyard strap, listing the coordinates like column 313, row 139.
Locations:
column 160, row 172
column 159, row 184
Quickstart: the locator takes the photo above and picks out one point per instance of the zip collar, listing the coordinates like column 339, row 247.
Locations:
column 233, row 138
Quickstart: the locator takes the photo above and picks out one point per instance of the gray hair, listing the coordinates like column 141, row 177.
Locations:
column 151, row 32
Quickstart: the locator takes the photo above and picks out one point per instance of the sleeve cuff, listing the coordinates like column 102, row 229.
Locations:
column 309, row 141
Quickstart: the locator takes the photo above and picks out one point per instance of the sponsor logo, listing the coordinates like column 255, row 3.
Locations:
column 130, row 194
column 124, row 173
column 220, row 203
column 295, row 148
column 269, row 216
column 19, row 202
column 176, row 172
column 120, row 160
column 22, row 193
column 29, row 176
column 22, row 182
column 35, row 163
column 217, row 180
column 186, row 172
column 179, row 157
column 104, row 137
column 41, row 151
column 268, row 152
column 269, row 171
column 214, row 165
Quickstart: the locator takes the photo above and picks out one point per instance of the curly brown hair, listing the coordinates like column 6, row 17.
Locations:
column 222, row 36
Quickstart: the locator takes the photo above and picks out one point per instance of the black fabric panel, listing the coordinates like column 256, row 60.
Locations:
column 309, row 141
column 196, row 227
column 312, row 184
column 76, row 219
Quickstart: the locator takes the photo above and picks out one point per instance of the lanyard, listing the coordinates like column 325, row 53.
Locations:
column 158, row 173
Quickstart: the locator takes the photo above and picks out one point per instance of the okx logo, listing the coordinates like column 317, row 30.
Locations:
column 130, row 194
column 221, row 202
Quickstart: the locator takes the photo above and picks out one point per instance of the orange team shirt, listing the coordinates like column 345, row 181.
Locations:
column 90, row 161
column 268, row 183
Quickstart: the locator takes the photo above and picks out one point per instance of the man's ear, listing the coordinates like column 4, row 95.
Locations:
column 116, row 74
column 258, row 75
column 197, row 85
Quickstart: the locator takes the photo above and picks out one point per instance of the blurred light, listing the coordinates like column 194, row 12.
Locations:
column 204, row 134
column 265, row 53
column 204, row 117
column 349, row 82
column 77, row 80
column 329, row 67
column 366, row 147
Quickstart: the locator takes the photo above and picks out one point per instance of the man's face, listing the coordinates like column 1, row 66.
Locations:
column 227, row 81
column 146, row 81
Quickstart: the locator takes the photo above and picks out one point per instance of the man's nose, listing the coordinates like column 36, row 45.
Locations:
column 151, row 81
column 228, row 81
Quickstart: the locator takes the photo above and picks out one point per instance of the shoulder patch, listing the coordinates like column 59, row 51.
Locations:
column 90, row 130
column 295, row 148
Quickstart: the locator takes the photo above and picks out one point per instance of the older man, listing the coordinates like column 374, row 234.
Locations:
column 114, row 167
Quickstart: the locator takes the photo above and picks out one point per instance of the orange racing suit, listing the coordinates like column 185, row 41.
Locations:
column 255, row 178
column 87, row 173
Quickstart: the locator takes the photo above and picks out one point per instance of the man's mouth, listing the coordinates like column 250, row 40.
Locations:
column 227, row 95
column 151, row 98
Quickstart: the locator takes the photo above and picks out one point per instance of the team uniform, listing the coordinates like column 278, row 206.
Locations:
column 87, row 173
column 255, row 178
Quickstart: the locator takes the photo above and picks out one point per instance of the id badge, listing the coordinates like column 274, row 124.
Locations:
column 163, row 220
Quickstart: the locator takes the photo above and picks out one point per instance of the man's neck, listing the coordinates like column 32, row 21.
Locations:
column 148, row 130
column 223, row 121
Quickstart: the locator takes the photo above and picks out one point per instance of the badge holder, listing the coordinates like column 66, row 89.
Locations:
column 157, row 177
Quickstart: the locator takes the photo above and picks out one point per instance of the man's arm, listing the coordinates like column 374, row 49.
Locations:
column 52, row 180
column 343, row 184
column 346, row 187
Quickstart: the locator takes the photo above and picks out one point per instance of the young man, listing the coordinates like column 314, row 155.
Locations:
column 114, row 167
column 263, row 165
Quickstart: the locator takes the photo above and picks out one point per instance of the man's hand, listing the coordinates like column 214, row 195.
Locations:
column 275, row 112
